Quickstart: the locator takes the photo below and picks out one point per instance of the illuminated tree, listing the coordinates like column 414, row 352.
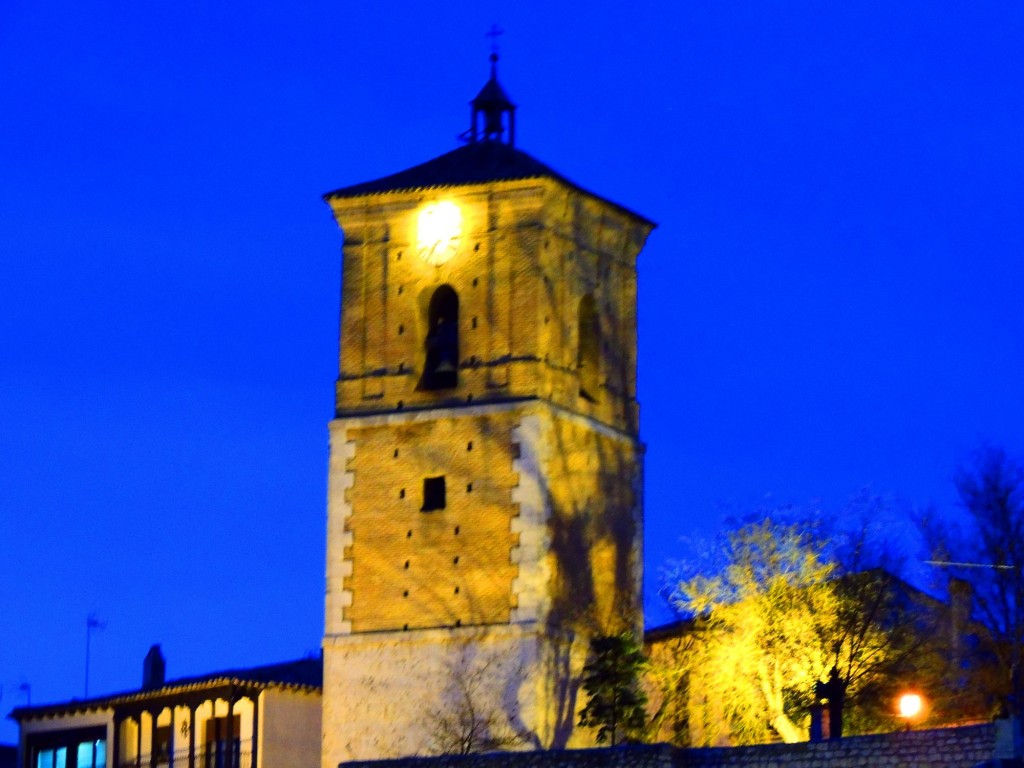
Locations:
column 611, row 678
column 781, row 608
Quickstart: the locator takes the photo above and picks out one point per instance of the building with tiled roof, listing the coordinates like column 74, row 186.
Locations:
column 241, row 718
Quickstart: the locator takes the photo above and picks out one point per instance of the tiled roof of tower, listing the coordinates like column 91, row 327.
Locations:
column 475, row 163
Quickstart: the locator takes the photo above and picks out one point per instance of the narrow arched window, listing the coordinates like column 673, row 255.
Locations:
column 588, row 345
column 441, row 366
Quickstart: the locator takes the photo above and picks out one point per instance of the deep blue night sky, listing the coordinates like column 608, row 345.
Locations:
column 832, row 299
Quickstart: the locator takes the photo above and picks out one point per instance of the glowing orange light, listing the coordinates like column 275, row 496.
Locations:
column 910, row 705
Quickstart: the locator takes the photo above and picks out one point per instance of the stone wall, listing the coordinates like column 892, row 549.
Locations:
column 940, row 748
column 637, row 756
column 963, row 747
column 388, row 694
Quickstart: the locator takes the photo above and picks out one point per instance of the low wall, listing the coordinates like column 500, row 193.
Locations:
column 963, row 747
column 633, row 756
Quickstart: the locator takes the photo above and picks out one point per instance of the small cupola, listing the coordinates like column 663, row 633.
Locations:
column 493, row 113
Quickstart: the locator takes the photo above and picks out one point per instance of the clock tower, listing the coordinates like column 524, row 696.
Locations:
column 484, row 500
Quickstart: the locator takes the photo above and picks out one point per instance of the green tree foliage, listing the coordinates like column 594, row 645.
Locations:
column 782, row 607
column 616, row 703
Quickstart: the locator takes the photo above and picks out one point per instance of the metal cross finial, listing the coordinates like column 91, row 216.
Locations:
column 494, row 33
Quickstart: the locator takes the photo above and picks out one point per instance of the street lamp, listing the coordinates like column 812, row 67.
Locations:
column 909, row 706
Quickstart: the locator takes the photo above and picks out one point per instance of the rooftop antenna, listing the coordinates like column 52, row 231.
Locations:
column 91, row 623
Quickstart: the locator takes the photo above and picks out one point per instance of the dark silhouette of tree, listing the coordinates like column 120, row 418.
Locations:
column 611, row 678
column 472, row 719
column 982, row 554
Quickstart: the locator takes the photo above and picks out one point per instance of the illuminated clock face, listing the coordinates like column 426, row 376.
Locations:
column 438, row 231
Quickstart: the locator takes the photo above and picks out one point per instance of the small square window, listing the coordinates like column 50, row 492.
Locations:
column 433, row 494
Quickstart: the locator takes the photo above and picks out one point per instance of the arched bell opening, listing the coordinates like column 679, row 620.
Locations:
column 441, row 364
column 588, row 345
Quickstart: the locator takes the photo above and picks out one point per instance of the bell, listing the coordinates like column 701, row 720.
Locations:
column 445, row 366
column 492, row 125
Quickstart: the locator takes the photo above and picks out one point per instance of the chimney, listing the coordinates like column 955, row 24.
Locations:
column 961, row 598
column 153, row 669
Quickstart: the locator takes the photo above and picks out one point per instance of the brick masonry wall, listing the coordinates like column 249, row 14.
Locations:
column 529, row 252
column 557, row 546
column 596, row 524
column 446, row 567
column 538, row 544
column 963, row 747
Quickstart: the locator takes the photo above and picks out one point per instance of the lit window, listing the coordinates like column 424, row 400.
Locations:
column 92, row 754
column 75, row 748
column 52, row 758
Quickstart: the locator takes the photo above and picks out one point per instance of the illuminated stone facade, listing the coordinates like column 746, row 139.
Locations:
column 485, row 514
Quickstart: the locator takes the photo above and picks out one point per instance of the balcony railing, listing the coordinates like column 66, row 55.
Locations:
column 204, row 758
